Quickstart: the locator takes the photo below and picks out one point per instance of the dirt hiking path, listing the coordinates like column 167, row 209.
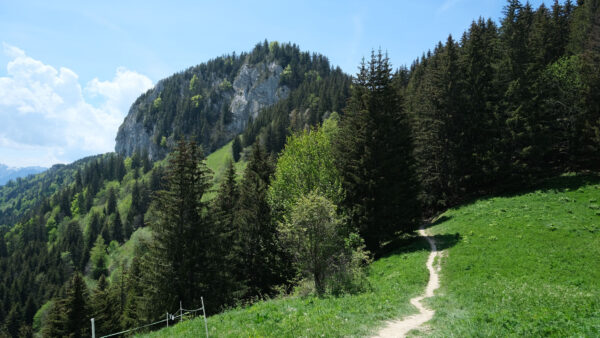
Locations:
column 400, row 327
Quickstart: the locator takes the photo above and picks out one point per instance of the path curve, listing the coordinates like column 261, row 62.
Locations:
column 400, row 327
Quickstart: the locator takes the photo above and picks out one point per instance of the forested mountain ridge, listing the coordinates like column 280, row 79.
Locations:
column 79, row 218
column 212, row 102
column 8, row 173
column 20, row 196
column 506, row 105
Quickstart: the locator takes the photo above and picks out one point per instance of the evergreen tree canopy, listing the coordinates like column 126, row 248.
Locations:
column 374, row 157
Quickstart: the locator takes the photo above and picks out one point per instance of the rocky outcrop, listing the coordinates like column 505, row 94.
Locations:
column 254, row 87
column 132, row 135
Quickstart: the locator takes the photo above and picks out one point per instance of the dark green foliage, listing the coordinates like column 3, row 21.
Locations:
column 374, row 157
column 116, row 227
column 13, row 320
column 105, row 309
column 76, row 308
column 223, row 234
column 139, row 205
column 135, row 292
column 174, row 267
column 111, row 202
column 72, row 242
column 256, row 248
column 236, row 148
column 55, row 325
column 508, row 105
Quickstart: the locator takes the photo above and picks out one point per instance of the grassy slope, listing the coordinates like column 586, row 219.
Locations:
column 394, row 280
column 217, row 163
column 526, row 265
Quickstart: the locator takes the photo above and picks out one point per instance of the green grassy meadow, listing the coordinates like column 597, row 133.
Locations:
column 394, row 279
column 217, row 163
column 526, row 265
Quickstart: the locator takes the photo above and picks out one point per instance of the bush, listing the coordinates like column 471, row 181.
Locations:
column 314, row 238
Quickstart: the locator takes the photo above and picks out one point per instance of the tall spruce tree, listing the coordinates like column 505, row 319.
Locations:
column 374, row 154
column 173, row 269
column 104, row 309
column 55, row 323
column 223, row 237
column 236, row 148
column 257, row 251
column 77, row 308
column 438, row 127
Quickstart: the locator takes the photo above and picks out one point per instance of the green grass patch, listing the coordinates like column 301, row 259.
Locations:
column 394, row 279
column 525, row 266
column 217, row 163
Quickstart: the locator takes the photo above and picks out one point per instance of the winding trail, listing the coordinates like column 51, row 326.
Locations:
column 400, row 327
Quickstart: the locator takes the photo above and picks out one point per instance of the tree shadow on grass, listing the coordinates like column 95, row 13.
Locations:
column 412, row 243
column 564, row 182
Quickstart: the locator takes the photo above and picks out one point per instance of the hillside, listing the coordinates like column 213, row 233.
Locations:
column 23, row 195
column 214, row 101
column 80, row 217
column 337, row 171
column 522, row 265
column 526, row 265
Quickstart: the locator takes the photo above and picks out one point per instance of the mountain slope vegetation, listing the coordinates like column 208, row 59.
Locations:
column 524, row 264
column 504, row 107
column 213, row 102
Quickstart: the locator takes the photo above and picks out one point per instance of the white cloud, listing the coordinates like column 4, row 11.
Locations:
column 46, row 116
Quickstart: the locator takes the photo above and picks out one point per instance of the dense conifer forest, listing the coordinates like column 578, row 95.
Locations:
column 123, row 240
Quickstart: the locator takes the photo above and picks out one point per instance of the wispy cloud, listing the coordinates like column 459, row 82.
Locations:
column 446, row 6
column 47, row 119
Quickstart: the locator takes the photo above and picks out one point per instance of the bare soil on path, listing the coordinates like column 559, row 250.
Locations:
column 400, row 327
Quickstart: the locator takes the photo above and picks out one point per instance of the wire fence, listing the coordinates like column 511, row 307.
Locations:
column 172, row 317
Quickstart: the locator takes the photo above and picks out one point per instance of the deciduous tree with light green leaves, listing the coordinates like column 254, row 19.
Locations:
column 98, row 258
column 314, row 237
column 306, row 164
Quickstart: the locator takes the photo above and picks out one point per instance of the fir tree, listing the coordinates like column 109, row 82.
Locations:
column 116, row 227
column 131, row 312
column 104, row 309
column 77, row 308
column 256, row 234
column 223, row 235
column 173, row 269
column 236, row 148
column 374, row 153
column 111, row 202
column 55, row 323
column 98, row 258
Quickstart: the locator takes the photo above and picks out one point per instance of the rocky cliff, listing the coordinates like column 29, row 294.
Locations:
column 255, row 94
column 207, row 103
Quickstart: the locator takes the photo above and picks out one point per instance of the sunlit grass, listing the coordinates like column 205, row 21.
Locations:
column 526, row 265
column 394, row 280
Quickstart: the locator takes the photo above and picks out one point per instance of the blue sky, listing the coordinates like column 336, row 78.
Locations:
column 69, row 70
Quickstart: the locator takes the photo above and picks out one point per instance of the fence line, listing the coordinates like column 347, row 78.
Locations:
column 171, row 317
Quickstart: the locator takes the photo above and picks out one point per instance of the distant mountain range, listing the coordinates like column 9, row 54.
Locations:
column 9, row 173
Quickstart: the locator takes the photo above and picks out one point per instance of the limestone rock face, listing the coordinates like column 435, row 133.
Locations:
column 254, row 87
